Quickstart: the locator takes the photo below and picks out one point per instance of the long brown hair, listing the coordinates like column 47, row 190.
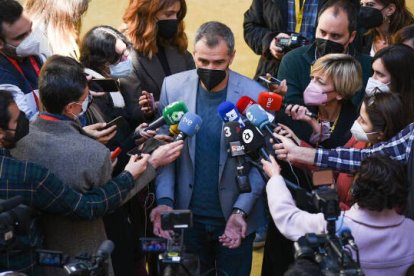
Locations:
column 401, row 17
column 140, row 16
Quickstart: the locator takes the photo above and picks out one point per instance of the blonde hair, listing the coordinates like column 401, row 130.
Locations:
column 344, row 70
column 61, row 22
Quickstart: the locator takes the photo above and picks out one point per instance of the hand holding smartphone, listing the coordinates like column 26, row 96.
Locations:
column 270, row 80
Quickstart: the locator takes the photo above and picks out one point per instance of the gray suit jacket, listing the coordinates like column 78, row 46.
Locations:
column 176, row 180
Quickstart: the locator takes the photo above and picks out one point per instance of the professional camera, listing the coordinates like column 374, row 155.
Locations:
column 294, row 41
column 15, row 220
column 172, row 258
column 82, row 265
column 331, row 253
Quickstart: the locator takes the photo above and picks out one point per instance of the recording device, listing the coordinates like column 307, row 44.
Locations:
column 245, row 102
column 79, row 265
column 153, row 245
column 189, row 125
column 103, row 85
column 294, row 41
column 171, row 115
column 118, row 121
column 232, row 136
column 270, row 80
column 254, row 142
column 274, row 102
column 15, row 220
column 134, row 151
column 229, row 113
column 327, row 250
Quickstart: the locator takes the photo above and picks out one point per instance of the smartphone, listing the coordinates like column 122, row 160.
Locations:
column 117, row 121
column 134, row 151
column 154, row 245
column 103, row 85
column 270, row 80
column 49, row 257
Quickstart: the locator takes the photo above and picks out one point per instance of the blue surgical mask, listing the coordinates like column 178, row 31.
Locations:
column 121, row 70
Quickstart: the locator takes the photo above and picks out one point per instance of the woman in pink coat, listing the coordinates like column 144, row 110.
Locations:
column 384, row 237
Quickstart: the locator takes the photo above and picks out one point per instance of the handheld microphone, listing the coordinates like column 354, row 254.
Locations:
column 258, row 116
column 173, row 130
column 274, row 102
column 245, row 102
column 347, row 238
column 189, row 125
column 171, row 114
column 229, row 113
column 232, row 134
column 254, row 141
column 104, row 251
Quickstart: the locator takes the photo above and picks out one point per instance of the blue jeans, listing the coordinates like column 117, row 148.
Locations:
column 202, row 240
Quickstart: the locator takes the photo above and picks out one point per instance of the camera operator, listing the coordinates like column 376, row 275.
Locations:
column 42, row 190
column 383, row 236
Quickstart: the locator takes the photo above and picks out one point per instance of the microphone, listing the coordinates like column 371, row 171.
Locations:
column 171, row 114
column 258, row 116
column 104, row 251
column 173, row 130
column 254, row 141
column 232, row 132
column 274, row 102
column 245, row 102
column 189, row 125
column 347, row 238
column 229, row 113
column 10, row 203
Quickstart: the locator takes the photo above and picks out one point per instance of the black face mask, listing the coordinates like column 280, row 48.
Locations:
column 167, row 28
column 211, row 78
column 22, row 129
column 370, row 17
column 325, row 47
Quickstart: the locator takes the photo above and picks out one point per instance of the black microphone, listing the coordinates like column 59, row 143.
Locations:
column 254, row 141
column 347, row 238
column 10, row 203
column 232, row 134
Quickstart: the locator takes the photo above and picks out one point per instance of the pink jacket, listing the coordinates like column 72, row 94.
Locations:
column 385, row 239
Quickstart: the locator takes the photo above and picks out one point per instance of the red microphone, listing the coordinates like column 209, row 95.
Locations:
column 274, row 102
column 244, row 103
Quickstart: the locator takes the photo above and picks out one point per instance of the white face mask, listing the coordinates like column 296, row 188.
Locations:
column 29, row 46
column 373, row 83
column 85, row 105
column 359, row 132
column 121, row 70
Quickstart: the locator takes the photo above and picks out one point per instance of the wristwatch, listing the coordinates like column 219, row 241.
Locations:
column 239, row 212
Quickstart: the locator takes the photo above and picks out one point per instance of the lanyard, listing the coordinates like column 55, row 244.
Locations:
column 35, row 67
column 299, row 14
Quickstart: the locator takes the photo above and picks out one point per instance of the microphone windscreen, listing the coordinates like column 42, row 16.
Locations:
column 229, row 113
column 252, row 138
column 190, row 124
column 173, row 112
column 231, row 132
column 270, row 101
column 105, row 249
column 257, row 115
column 243, row 103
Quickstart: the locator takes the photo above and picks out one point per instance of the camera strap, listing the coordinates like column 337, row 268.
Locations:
column 299, row 14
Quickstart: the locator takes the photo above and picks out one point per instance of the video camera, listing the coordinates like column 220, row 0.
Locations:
column 294, row 41
column 172, row 258
column 15, row 220
column 327, row 250
column 82, row 265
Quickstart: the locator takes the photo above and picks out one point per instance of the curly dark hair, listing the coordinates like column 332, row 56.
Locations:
column 5, row 100
column 380, row 184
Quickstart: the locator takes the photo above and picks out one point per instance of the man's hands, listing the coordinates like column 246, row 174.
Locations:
column 102, row 135
column 147, row 103
column 155, row 217
column 166, row 154
column 274, row 50
column 271, row 168
column 136, row 166
column 235, row 231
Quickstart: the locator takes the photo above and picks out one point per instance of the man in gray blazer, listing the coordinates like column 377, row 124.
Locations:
column 203, row 179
